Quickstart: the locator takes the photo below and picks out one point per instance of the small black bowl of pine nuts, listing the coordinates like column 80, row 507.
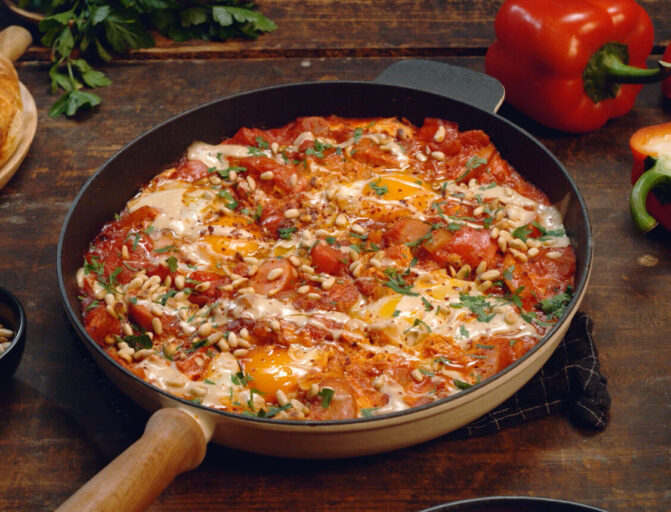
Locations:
column 12, row 333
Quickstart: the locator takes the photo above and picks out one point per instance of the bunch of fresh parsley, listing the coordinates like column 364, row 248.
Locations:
column 80, row 29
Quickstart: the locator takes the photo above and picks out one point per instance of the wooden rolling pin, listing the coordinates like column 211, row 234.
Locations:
column 14, row 41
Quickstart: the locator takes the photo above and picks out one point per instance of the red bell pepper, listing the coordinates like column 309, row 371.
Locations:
column 651, row 147
column 666, row 84
column 565, row 62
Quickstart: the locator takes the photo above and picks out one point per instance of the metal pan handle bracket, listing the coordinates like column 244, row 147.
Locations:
column 454, row 82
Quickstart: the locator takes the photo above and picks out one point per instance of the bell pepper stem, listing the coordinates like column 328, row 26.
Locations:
column 618, row 71
column 658, row 174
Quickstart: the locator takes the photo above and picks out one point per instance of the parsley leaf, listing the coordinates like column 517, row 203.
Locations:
column 555, row 306
column 477, row 304
column 76, row 28
column 285, row 233
column 379, row 190
column 326, row 395
column 522, row 232
column 397, row 283
column 139, row 341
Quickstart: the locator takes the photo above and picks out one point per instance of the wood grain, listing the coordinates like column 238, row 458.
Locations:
column 61, row 420
column 324, row 28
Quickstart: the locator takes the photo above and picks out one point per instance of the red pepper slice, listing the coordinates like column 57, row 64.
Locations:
column 651, row 148
column 575, row 64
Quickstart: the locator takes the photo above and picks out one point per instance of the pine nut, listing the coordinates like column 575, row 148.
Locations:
column 519, row 255
column 518, row 244
column 464, row 272
column 328, row 283
column 482, row 266
column 240, row 352
column 157, row 326
column 312, row 392
column 494, row 233
column 439, row 136
column 204, row 330
column 124, row 252
column 275, row 325
column 275, row 273
column 293, row 180
column 291, row 213
column 417, row 375
column 533, row 252
column 438, row 155
column 250, row 260
column 281, row 397
column 341, row 220
column 202, row 287
column 420, row 156
column 510, row 317
column 303, row 289
column 244, row 333
column 484, row 286
column 358, row 228
column 553, row 255
column 490, row 275
column 267, row 176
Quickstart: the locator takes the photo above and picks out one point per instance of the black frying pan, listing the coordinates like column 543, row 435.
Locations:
column 410, row 89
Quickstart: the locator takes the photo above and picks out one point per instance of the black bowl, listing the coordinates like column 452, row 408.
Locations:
column 12, row 316
column 512, row 504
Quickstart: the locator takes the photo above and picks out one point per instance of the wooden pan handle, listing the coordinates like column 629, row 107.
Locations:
column 14, row 41
column 173, row 442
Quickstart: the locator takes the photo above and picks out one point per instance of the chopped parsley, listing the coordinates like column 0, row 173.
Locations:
column 285, row 233
column 555, row 306
column 477, row 304
column 368, row 412
column 418, row 323
column 508, row 273
column 427, row 305
column 357, row 135
column 138, row 341
column 426, row 237
column 463, row 331
column 167, row 248
column 461, row 384
column 380, row 190
column 522, row 232
column 471, row 165
column 318, row 149
column 226, row 173
column 172, row 263
column 326, row 395
column 547, row 233
column 397, row 283
column 230, row 203
column 261, row 142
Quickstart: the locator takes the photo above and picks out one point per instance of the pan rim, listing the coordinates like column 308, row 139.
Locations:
column 579, row 288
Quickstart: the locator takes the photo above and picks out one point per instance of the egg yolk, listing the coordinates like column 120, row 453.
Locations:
column 242, row 238
column 397, row 187
column 272, row 369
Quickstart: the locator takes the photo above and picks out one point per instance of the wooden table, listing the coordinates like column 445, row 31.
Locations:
column 61, row 420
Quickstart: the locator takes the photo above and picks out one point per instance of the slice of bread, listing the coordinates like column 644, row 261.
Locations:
column 11, row 110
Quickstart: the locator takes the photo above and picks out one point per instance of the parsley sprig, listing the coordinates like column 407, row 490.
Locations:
column 77, row 30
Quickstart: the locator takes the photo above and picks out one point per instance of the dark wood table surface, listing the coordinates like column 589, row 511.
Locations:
column 61, row 420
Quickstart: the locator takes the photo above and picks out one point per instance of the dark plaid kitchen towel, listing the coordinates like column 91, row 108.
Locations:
column 570, row 382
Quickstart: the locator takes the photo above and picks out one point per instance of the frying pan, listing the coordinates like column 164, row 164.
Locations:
column 176, row 435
